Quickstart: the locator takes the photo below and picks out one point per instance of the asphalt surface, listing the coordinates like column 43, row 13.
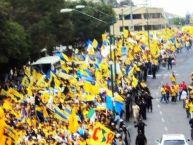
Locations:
column 171, row 117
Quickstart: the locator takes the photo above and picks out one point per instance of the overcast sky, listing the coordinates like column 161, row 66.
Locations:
column 179, row 7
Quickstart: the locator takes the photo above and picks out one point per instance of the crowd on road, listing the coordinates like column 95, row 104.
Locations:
column 82, row 101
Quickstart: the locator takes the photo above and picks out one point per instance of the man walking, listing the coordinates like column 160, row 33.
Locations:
column 140, row 126
column 141, row 139
column 170, row 62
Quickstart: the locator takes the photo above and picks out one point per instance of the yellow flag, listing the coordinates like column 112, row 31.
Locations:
column 134, row 82
column 125, row 33
column 27, row 71
column 65, row 57
column 25, row 82
column 3, row 92
column 15, row 95
column 73, row 122
column 118, row 98
column 104, row 37
column 101, row 135
column 56, row 81
column 94, row 43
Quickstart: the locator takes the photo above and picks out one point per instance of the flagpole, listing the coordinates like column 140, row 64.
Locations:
column 67, row 10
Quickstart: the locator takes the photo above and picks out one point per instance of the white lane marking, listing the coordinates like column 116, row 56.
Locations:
column 166, row 129
column 160, row 112
column 157, row 100
column 163, row 120
column 158, row 105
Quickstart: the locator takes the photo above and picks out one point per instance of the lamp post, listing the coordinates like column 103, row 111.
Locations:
column 67, row 10
column 113, row 32
column 148, row 25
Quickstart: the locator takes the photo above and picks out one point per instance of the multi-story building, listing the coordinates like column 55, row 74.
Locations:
column 191, row 20
column 139, row 19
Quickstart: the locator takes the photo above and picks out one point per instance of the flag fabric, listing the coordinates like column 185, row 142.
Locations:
column 91, row 113
column 95, row 43
column 118, row 98
column 123, row 51
column 104, row 37
column 101, row 135
column 125, row 33
column 14, row 94
column 134, row 82
column 65, row 57
column 109, row 103
column 61, row 114
column 118, row 107
column 73, row 122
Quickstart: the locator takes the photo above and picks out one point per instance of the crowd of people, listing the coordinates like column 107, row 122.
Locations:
column 81, row 102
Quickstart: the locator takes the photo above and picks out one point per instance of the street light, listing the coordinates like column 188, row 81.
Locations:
column 67, row 10
column 112, row 23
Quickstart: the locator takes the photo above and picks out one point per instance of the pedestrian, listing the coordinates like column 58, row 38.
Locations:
column 169, row 60
column 141, row 139
column 136, row 110
column 126, row 135
column 184, row 95
column 149, row 102
column 173, row 78
column 186, row 102
column 127, row 107
column 173, row 94
column 163, row 94
column 190, row 105
column 145, row 71
column 140, row 126
column 176, row 88
column 154, row 68
column 143, row 106
column 167, row 88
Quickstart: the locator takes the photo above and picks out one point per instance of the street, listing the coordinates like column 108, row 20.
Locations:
column 171, row 117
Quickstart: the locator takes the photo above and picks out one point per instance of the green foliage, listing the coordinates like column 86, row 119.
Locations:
column 27, row 26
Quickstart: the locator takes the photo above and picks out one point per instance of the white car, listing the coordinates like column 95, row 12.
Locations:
column 172, row 139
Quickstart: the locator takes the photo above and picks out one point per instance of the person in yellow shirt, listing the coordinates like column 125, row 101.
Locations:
column 173, row 78
column 163, row 94
column 190, row 105
column 186, row 102
column 173, row 94
column 176, row 88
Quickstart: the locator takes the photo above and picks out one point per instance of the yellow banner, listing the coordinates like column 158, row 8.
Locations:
column 101, row 135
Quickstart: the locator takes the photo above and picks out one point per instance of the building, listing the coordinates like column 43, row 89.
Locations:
column 191, row 20
column 139, row 19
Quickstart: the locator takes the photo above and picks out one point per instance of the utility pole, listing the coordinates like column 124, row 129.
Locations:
column 122, row 19
column 147, row 19
column 131, row 19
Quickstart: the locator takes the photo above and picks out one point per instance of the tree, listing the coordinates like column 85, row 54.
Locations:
column 27, row 26
column 13, row 40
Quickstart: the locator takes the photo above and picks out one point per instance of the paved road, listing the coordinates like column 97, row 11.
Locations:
column 167, row 118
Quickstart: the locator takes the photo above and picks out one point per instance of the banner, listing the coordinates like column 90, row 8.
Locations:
column 101, row 135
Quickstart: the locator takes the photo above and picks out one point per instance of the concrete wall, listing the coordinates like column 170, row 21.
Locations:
column 155, row 23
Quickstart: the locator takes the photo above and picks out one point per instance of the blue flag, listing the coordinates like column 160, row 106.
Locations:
column 118, row 107
column 123, row 51
column 109, row 103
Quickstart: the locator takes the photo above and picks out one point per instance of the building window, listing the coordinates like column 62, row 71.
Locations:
column 121, row 17
column 153, row 27
column 147, row 27
column 133, row 16
column 121, row 28
column 137, row 16
column 153, row 15
column 137, row 28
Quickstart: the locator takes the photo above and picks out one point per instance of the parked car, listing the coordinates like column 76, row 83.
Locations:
column 172, row 139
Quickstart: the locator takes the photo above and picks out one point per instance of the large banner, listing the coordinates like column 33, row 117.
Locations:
column 101, row 135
